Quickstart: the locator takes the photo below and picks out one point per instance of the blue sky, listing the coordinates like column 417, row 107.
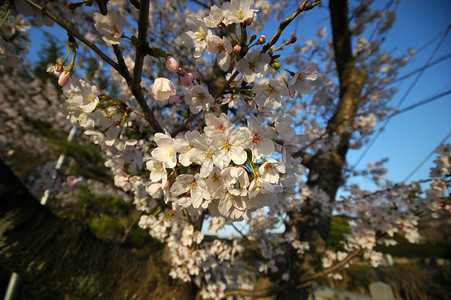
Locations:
column 410, row 137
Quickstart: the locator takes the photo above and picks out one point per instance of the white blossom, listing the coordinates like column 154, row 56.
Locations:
column 163, row 89
column 254, row 65
column 110, row 26
column 198, row 98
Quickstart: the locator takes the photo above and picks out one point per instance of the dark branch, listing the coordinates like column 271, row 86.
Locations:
column 75, row 34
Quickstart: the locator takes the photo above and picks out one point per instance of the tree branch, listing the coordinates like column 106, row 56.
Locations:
column 287, row 21
column 134, row 85
column 334, row 268
column 133, row 82
column 143, row 23
column 75, row 34
column 119, row 67
column 123, row 70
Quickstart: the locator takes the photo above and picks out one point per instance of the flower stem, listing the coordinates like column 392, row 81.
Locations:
column 6, row 14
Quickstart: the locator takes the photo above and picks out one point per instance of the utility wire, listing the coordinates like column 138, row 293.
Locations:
column 427, row 157
column 419, row 104
column 433, row 40
column 401, row 101
column 443, row 58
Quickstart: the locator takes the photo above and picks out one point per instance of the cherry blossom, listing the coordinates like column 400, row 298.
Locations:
column 198, row 98
column 110, row 26
column 254, row 65
column 163, row 89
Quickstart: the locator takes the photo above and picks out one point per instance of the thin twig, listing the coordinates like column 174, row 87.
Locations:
column 303, row 7
column 239, row 231
column 334, row 268
column 143, row 24
column 119, row 67
column 75, row 34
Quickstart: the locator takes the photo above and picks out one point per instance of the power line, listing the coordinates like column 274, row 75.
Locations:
column 419, row 104
column 433, row 40
column 422, row 68
column 427, row 157
column 394, row 115
column 401, row 101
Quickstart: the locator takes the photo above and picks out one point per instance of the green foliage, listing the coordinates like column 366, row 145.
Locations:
column 338, row 228
column 421, row 251
column 87, row 160
column 447, row 274
column 108, row 216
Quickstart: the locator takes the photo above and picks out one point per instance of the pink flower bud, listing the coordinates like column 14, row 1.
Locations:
column 172, row 63
column 65, row 77
column 237, row 49
column 175, row 100
column 186, row 81
column 261, row 40
column 293, row 39
column 250, row 103
column 248, row 21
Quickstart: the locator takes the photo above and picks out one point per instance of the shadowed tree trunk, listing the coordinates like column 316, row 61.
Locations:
column 325, row 169
column 64, row 257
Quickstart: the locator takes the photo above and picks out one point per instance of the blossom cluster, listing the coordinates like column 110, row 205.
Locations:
column 235, row 173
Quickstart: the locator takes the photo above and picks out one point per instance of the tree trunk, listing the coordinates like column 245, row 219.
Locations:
column 65, row 257
column 325, row 169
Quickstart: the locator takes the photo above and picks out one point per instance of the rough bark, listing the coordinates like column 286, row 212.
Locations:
column 66, row 258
